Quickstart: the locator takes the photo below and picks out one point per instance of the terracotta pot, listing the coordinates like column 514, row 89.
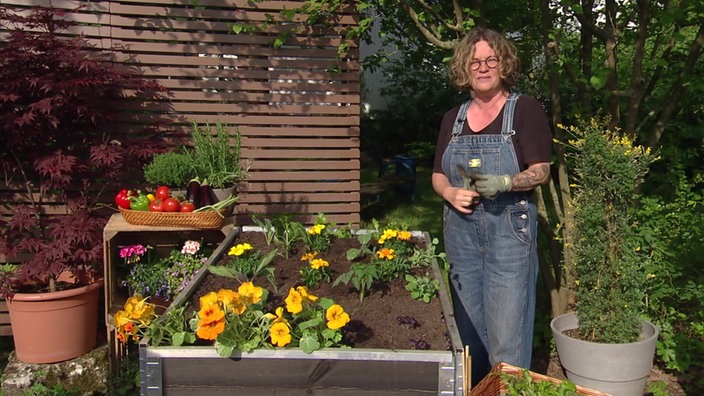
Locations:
column 54, row 327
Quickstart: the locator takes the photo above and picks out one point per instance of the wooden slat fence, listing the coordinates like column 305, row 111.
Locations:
column 297, row 106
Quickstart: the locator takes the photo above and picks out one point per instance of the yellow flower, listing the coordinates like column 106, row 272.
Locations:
column 232, row 301
column 294, row 301
column 278, row 317
column 227, row 295
column 280, row 334
column 240, row 249
column 249, row 293
column 303, row 291
column 386, row 253
column 316, row 229
column 121, row 318
column 318, row 263
column 388, row 234
column 309, row 256
column 336, row 316
column 404, row 235
column 138, row 308
column 210, row 298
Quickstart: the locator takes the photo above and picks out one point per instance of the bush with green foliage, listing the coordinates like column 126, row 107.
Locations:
column 170, row 169
column 670, row 233
column 609, row 263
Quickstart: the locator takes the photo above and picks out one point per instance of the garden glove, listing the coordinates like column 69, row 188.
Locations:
column 489, row 186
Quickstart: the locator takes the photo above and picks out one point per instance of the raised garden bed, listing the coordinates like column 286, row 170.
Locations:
column 385, row 358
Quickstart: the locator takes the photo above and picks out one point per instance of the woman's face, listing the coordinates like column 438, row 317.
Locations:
column 486, row 79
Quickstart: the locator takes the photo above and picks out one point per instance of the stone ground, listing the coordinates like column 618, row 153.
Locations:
column 87, row 374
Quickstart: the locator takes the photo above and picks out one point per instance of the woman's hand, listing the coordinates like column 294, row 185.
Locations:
column 461, row 199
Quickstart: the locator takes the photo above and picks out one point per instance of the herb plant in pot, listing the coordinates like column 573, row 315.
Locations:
column 212, row 159
column 57, row 154
column 606, row 344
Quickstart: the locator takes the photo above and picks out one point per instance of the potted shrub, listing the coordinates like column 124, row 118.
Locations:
column 213, row 158
column 608, row 266
column 58, row 151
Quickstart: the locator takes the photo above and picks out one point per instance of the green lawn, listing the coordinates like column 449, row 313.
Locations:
column 396, row 208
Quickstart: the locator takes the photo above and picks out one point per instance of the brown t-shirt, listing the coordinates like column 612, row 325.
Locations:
column 532, row 141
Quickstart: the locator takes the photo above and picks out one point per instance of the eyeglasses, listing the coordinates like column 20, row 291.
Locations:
column 490, row 62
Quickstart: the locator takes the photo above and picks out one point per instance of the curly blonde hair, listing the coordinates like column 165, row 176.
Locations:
column 459, row 68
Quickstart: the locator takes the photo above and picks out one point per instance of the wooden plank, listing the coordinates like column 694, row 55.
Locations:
column 318, row 175
column 186, row 107
column 278, row 197
column 147, row 59
column 351, row 185
column 213, row 87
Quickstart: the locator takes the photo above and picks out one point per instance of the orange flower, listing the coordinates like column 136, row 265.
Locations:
column 211, row 323
column 386, row 253
column 210, row 329
column 309, row 256
column 404, row 235
column 232, row 301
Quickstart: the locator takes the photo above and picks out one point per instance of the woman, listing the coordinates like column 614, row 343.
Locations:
column 492, row 151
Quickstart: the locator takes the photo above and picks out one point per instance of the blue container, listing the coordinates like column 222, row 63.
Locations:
column 404, row 167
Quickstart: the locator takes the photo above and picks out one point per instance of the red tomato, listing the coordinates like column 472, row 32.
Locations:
column 156, row 206
column 170, row 205
column 163, row 192
column 187, row 206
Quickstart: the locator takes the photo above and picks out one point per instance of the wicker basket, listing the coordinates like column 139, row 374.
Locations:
column 206, row 219
column 492, row 385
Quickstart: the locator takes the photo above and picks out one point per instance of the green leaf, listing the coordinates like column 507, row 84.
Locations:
column 178, row 338
column 224, row 350
column 224, row 271
column 309, row 343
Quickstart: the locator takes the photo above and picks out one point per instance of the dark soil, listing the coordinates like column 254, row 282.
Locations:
column 387, row 318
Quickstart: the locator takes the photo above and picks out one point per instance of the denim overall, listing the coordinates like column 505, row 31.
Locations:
column 492, row 252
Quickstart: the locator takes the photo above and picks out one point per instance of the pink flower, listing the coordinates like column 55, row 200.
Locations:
column 133, row 250
column 190, row 247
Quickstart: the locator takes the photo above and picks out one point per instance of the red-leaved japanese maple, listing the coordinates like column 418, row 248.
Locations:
column 61, row 143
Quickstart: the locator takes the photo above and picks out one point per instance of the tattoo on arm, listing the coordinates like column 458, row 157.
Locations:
column 532, row 177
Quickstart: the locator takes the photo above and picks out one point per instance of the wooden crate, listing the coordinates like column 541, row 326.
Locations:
column 5, row 328
column 492, row 385
column 117, row 234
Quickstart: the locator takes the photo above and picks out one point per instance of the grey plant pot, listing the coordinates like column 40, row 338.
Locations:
column 618, row 369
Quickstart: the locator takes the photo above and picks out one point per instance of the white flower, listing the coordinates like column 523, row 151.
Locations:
column 190, row 247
